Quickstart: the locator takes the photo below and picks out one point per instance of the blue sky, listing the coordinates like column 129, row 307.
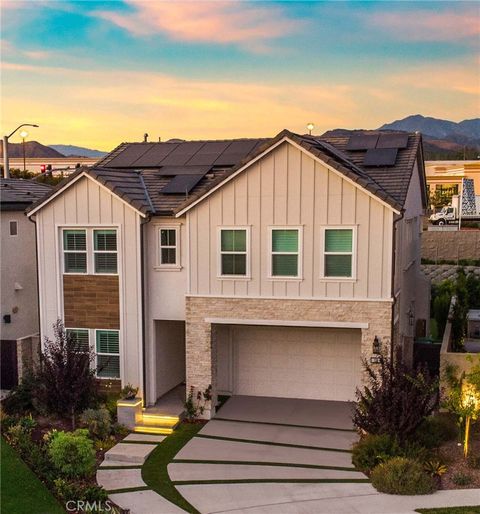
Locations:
column 98, row 73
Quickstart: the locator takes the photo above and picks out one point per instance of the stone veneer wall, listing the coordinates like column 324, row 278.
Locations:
column 200, row 335
column 439, row 272
column 451, row 245
column 91, row 301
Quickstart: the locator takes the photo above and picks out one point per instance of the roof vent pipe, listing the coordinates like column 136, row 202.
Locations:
column 145, row 138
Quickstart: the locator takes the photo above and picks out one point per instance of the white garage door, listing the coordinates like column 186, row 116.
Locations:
column 314, row 363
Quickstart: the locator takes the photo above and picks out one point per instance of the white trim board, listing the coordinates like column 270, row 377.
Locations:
column 307, row 298
column 287, row 323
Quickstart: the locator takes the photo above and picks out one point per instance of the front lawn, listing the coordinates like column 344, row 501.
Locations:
column 21, row 491
column 154, row 471
column 452, row 510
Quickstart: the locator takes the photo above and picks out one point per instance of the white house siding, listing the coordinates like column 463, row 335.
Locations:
column 18, row 266
column 87, row 203
column 288, row 187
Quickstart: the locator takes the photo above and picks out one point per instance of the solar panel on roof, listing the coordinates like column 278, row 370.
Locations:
column 392, row 141
column 126, row 157
column 155, row 155
column 183, row 170
column 362, row 142
column 182, row 184
column 380, row 157
column 209, row 152
column 182, row 153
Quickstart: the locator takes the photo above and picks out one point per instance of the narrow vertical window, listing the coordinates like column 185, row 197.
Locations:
column 105, row 251
column 168, row 247
column 108, row 353
column 80, row 337
column 338, row 253
column 13, row 228
column 233, row 252
column 75, row 251
column 285, row 253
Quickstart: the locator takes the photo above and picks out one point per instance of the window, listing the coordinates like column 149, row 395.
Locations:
column 13, row 228
column 233, row 252
column 108, row 353
column 168, row 247
column 75, row 251
column 285, row 248
column 80, row 336
column 338, row 253
column 105, row 251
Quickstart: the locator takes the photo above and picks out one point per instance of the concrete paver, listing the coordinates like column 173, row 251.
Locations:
column 113, row 479
column 131, row 453
column 289, row 411
column 179, row 472
column 145, row 502
column 281, row 434
column 200, row 448
column 117, row 463
column 144, row 438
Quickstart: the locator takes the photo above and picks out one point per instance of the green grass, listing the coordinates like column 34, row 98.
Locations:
column 21, row 491
column 154, row 471
column 451, row 510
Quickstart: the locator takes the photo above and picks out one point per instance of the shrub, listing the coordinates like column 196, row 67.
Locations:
column 436, row 430
column 98, row 421
column 128, row 392
column 371, row 450
column 402, row 476
column 461, row 479
column 72, row 453
column 22, row 399
column 67, row 382
column 67, row 490
column 397, row 399
column 105, row 444
column 27, row 423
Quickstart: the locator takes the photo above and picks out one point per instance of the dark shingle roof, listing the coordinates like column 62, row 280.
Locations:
column 137, row 172
column 16, row 193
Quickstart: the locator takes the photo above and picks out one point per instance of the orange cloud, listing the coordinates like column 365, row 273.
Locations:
column 224, row 22
column 423, row 25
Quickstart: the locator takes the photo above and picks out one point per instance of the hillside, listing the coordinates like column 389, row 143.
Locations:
column 78, row 151
column 32, row 149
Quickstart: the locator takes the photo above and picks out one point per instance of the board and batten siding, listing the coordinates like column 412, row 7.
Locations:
column 289, row 187
column 88, row 204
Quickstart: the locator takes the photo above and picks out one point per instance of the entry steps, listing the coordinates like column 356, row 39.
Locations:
column 156, row 423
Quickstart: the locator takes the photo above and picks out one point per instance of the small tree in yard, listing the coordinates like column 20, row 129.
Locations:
column 67, row 381
column 396, row 400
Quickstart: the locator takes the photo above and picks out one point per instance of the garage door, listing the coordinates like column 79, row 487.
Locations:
column 291, row 362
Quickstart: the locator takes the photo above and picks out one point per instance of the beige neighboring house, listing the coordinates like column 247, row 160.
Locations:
column 265, row 267
column 19, row 297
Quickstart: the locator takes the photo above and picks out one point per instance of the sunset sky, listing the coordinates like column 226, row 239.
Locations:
column 98, row 73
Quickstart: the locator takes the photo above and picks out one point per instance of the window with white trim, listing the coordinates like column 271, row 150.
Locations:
column 105, row 251
column 13, row 225
column 168, row 247
column 75, row 251
column 285, row 252
column 80, row 336
column 108, row 353
column 338, row 253
column 234, row 252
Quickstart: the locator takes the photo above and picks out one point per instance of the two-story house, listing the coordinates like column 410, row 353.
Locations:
column 266, row 267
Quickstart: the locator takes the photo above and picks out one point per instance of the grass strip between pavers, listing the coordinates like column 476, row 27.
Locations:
column 256, row 463
column 136, row 466
column 128, row 490
column 474, row 509
column 283, row 424
column 154, row 470
column 271, row 443
column 276, row 481
column 140, row 442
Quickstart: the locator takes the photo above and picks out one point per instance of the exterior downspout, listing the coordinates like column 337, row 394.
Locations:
column 38, row 280
column 394, row 261
column 142, row 286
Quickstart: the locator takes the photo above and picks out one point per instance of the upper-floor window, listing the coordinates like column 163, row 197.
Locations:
column 338, row 253
column 169, row 254
column 75, row 251
column 285, row 252
column 90, row 251
column 234, row 244
column 13, row 228
column 105, row 251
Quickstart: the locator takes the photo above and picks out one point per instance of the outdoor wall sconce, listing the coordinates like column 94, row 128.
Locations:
column 7, row 318
column 377, row 346
column 411, row 317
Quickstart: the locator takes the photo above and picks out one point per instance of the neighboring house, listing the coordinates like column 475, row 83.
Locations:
column 19, row 296
column 264, row 267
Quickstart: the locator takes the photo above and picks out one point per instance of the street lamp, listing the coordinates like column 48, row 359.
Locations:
column 23, row 135
column 6, row 165
column 310, row 127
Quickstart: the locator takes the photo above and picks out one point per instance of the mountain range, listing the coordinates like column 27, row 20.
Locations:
column 442, row 140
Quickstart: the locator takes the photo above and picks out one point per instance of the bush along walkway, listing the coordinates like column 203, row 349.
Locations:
column 134, row 472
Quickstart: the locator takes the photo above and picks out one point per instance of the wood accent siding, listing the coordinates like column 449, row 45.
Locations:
column 91, row 301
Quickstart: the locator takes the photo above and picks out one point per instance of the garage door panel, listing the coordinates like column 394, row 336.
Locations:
column 297, row 362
